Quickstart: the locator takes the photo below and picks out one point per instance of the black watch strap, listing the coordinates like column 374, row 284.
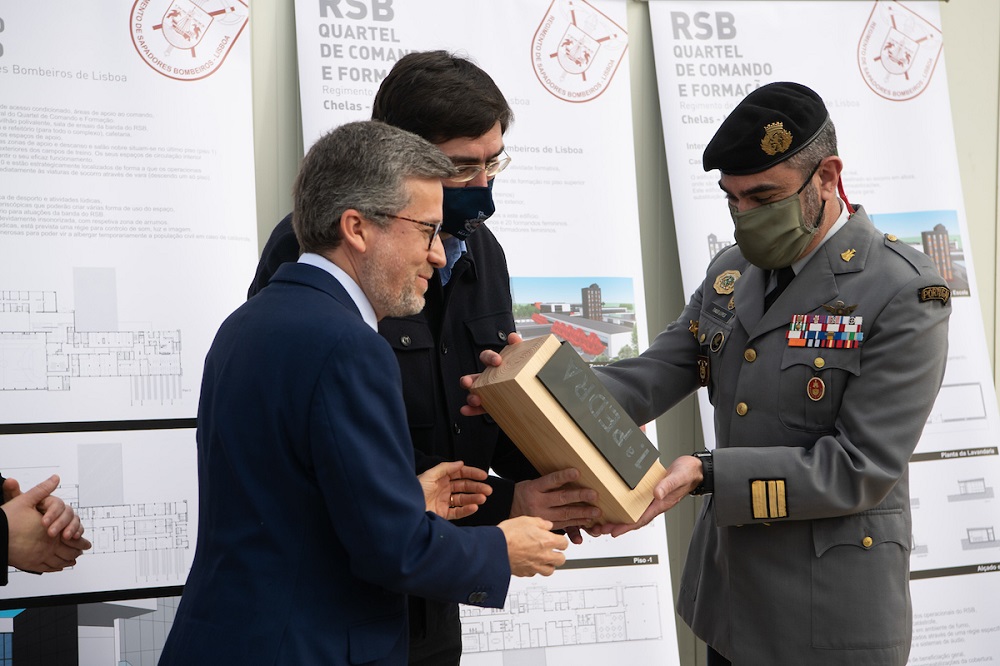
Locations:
column 707, row 484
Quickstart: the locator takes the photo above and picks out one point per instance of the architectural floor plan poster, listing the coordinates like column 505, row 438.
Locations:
column 880, row 67
column 611, row 600
column 127, row 222
column 134, row 492
column 568, row 220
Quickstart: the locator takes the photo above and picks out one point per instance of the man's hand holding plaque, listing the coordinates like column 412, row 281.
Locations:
column 681, row 476
column 556, row 496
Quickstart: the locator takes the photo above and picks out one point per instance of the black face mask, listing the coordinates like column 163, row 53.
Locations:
column 465, row 208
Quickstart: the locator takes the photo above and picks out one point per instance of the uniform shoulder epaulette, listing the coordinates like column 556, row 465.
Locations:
column 920, row 261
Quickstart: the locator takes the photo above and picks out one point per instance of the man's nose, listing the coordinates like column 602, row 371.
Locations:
column 479, row 181
column 436, row 254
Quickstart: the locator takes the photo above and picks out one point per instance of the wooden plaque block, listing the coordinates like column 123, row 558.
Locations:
column 543, row 430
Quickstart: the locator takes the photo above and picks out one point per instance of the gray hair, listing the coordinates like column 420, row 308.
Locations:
column 362, row 166
column 824, row 145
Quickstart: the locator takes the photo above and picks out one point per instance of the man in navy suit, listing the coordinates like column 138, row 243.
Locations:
column 454, row 104
column 312, row 525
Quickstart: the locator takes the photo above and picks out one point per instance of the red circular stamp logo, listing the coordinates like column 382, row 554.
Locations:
column 576, row 50
column 898, row 51
column 186, row 40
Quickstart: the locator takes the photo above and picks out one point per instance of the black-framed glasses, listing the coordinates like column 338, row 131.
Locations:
column 431, row 225
column 467, row 172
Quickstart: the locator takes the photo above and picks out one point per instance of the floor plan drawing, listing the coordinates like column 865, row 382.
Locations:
column 45, row 348
column 138, row 509
column 155, row 532
column 539, row 617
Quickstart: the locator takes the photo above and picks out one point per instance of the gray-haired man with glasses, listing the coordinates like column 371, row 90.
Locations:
column 456, row 106
column 312, row 527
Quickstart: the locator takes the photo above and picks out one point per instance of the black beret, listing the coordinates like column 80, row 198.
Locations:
column 770, row 125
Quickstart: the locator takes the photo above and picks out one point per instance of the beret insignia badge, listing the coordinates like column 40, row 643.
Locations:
column 776, row 139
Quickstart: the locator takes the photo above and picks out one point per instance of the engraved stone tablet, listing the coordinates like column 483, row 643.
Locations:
column 515, row 396
column 570, row 379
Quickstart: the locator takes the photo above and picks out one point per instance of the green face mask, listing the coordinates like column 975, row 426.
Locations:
column 774, row 235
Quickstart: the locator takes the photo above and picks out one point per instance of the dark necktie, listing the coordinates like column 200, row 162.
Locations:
column 785, row 276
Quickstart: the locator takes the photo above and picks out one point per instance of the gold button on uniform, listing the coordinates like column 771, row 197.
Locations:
column 742, row 409
column 701, row 338
column 819, row 362
column 867, row 542
column 750, row 355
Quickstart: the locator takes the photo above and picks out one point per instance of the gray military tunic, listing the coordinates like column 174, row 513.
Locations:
column 801, row 555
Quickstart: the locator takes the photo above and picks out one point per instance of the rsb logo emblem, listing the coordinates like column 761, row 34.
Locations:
column 577, row 50
column 186, row 40
column 898, row 52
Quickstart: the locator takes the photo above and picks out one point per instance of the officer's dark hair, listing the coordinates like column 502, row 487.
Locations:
column 441, row 96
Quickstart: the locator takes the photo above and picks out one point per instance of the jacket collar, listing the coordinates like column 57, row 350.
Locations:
column 316, row 278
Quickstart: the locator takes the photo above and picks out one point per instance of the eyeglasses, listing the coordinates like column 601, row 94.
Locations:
column 435, row 227
column 467, row 172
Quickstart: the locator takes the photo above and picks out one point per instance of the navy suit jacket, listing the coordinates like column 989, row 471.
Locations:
column 302, row 399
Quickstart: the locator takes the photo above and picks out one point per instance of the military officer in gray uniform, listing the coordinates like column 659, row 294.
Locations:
column 821, row 388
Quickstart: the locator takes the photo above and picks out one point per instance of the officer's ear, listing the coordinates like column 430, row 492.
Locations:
column 829, row 171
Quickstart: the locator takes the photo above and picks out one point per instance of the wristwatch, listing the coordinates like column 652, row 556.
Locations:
column 707, row 484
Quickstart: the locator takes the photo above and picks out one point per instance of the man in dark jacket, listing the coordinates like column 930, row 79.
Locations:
column 455, row 105
column 300, row 394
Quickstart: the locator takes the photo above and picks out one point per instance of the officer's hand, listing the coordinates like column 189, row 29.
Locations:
column 683, row 476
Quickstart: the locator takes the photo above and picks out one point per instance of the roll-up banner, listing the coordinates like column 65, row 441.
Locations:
column 568, row 221
column 880, row 67
column 128, row 233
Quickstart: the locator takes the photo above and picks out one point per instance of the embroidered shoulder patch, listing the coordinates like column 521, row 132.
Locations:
column 935, row 293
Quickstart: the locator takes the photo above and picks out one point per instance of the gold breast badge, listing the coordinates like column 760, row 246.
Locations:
column 726, row 282
column 840, row 309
